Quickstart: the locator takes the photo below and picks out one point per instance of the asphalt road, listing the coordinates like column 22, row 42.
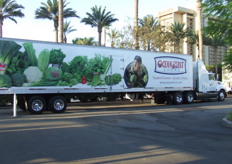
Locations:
column 115, row 132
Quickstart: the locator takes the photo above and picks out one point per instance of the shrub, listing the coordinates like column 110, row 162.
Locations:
column 229, row 116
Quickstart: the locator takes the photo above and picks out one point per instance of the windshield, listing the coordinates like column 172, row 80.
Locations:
column 211, row 77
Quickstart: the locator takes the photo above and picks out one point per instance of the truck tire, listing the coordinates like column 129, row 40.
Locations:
column 188, row 97
column 221, row 95
column 178, row 98
column 36, row 104
column 169, row 99
column 57, row 104
column 160, row 98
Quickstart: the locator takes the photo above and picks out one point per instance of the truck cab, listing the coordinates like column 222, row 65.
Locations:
column 206, row 84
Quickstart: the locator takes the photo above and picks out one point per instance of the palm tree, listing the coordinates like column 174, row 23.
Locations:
column 9, row 9
column 66, row 30
column 192, row 39
column 192, row 36
column 147, row 30
column 113, row 35
column 84, row 41
column 178, row 34
column 161, row 38
column 50, row 10
column 99, row 18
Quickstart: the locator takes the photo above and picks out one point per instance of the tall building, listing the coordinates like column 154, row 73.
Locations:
column 189, row 18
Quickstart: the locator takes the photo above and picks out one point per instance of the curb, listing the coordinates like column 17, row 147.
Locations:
column 226, row 122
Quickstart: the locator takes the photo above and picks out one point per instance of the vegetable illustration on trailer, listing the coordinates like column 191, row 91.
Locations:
column 8, row 50
column 56, row 57
column 49, row 68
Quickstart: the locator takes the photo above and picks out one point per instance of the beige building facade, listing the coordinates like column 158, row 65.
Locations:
column 189, row 17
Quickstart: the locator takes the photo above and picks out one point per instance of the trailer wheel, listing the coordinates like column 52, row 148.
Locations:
column 188, row 97
column 177, row 98
column 36, row 105
column 221, row 95
column 57, row 104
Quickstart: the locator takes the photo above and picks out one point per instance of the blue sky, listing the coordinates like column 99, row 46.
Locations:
column 39, row 29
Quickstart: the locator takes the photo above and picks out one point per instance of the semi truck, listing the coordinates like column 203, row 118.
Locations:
column 46, row 75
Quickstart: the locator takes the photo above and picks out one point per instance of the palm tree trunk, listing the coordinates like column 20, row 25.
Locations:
column 65, row 39
column 56, row 29
column 104, row 36
column 1, row 29
column 99, row 35
column 1, row 24
column 199, row 29
column 56, row 34
column 60, row 24
column 216, row 60
column 136, row 24
column 148, row 45
column 99, row 38
column 176, row 46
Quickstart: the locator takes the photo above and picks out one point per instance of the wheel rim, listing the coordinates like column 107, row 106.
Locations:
column 190, row 98
column 37, row 105
column 59, row 104
column 221, row 95
column 179, row 98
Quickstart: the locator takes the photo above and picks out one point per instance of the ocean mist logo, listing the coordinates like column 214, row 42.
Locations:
column 170, row 65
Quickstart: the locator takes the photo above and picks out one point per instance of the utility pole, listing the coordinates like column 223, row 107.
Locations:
column 199, row 22
column 60, row 24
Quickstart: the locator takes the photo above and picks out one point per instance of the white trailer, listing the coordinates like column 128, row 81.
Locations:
column 44, row 75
